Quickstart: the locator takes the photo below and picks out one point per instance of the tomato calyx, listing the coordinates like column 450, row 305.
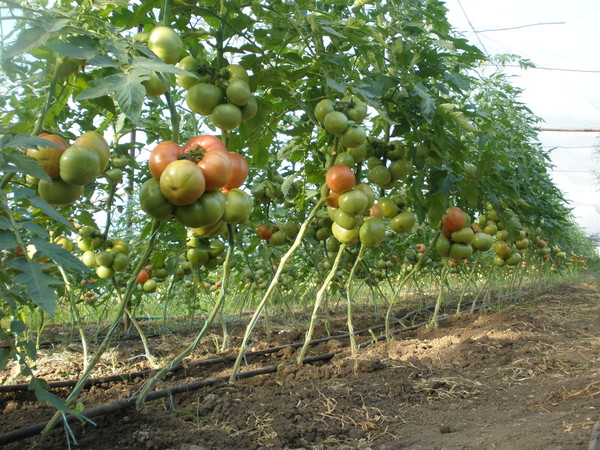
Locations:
column 195, row 155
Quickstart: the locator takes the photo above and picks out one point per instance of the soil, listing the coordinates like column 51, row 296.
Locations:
column 526, row 376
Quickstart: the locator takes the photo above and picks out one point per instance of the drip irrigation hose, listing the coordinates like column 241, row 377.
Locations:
column 22, row 387
column 33, row 430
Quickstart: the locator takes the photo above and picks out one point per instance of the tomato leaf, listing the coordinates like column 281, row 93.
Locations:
column 159, row 66
column 40, row 388
column 47, row 209
column 79, row 47
column 427, row 102
column 26, row 164
column 58, row 254
column 8, row 240
column 37, row 283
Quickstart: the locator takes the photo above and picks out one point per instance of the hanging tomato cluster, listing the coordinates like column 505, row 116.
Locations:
column 70, row 168
column 342, row 118
column 197, row 184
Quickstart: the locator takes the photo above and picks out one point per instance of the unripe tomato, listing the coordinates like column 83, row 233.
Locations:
column 206, row 210
column 460, row 251
column 388, row 207
column 89, row 258
column 49, row 157
column 156, row 85
column 345, row 220
column 120, row 262
column 166, row 44
column 106, row 273
column 150, row 286
column 379, row 175
column 79, row 165
column 234, row 71
column 323, row 108
column 238, row 206
column 354, row 136
column 464, row 235
column 202, row 98
column 57, row 192
column 277, row 239
column 514, row 259
column 197, row 256
column 64, row 242
column 340, row 178
column 190, row 64
column 403, row 222
column 335, row 122
column 442, row 246
column 226, row 116
column 250, row 109
column 482, row 242
column 182, row 183
column 238, row 92
column 104, row 258
column 369, row 193
column 357, row 110
column 353, row 202
column 153, row 202
column 502, row 249
column 400, row 169
column 372, row 232
column 345, row 236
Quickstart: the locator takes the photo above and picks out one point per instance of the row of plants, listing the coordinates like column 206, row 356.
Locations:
column 227, row 156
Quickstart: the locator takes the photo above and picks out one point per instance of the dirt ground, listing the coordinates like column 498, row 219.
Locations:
column 526, row 377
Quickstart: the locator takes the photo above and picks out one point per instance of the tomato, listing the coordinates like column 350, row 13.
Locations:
column 238, row 92
column 197, row 256
column 238, row 206
column 79, row 165
column 57, row 192
column 482, row 242
column 49, row 157
column 470, row 170
column 376, row 211
column 64, row 242
column 202, row 98
column 335, row 122
column 379, row 175
column 542, row 243
column 166, row 44
column 190, row 64
column 442, row 246
column 153, row 202
column 345, row 236
column 345, row 220
column 226, row 116
column 464, row 235
column 203, row 142
column 161, row 156
column 400, row 169
column 346, row 159
column 263, row 232
column 239, row 171
column 182, row 183
column 340, row 178
column 502, row 235
column 372, row 232
column 213, row 230
column 502, row 249
column 354, row 136
column 514, row 259
column 206, row 210
column 250, row 109
column 104, row 258
column 522, row 243
column 353, row 202
column 491, row 228
column 499, row 262
column 357, row 109
column 120, row 262
column 277, row 239
column 460, row 251
column 150, row 286
column 388, row 207
column 143, row 276
column 104, row 272
column 420, row 249
column 403, row 222
column 323, row 108
column 332, row 199
column 88, row 258
column 454, row 219
column 368, row 191
column 234, row 71
column 216, row 167
column 359, row 153
column 114, row 176
column 156, row 85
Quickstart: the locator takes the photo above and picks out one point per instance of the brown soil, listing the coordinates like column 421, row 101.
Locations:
column 527, row 377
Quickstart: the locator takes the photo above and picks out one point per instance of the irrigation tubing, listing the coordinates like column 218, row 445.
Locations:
column 108, row 408
column 22, row 387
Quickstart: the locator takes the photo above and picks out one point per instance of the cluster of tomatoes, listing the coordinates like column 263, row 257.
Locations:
column 148, row 278
column 343, row 118
column 278, row 234
column 204, row 252
column 380, row 174
column 197, row 184
column 223, row 94
column 70, row 168
column 107, row 257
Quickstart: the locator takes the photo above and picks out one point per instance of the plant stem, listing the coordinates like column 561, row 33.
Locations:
column 360, row 256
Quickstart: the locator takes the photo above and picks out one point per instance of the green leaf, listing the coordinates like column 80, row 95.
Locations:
column 23, row 140
column 47, row 209
column 4, row 357
column 79, row 47
column 129, row 95
column 8, row 240
column 27, row 39
column 21, row 192
column 17, row 326
column 427, row 102
column 335, row 85
column 27, row 165
column 40, row 388
column 155, row 65
column 58, row 254
column 37, row 284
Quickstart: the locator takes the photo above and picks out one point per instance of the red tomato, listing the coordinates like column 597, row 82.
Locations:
column 421, row 248
column 454, row 219
column 204, row 142
column 162, row 155
column 216, row 167
column 143, row 276
column 332, row 199
column 340, row 178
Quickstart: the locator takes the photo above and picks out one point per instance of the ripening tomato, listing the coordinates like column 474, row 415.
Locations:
column 143, row 276
column 263, row 232
column 239, row 171
column 454, row 219
column 182, row 183
column 216, row 167
column 203, row 142
column 340, row 178
column 49, row 157
column 332, row 199
column 162, row 155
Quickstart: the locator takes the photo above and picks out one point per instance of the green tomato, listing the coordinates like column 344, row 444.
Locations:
column 354, row 136
column 120, row 262
column 207, row 210
column 464, row 235
column 403, row 222
column 345, row 236
column 226, row 116
column 323, row 108
column 153, row 202
column 388, row 207
column 106, row 273
column 460, row 251
column 149, row 286
column 57, row 192
column 335, row 122
column 166, row 44
column 353, row 202
column 372, row 232
column 202, row 98
column 197, row 256
column 482, row 242
column 442, row 246
column 79, row 165
column 238, row 92
column 238, row 206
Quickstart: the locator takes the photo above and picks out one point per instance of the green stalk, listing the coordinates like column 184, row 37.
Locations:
column 76, row 316
column 209, row 320
column 360, row 256
column 434, row 319
column 318, row 300
column 104, row 345
column 271, row 288
column 468, row 281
